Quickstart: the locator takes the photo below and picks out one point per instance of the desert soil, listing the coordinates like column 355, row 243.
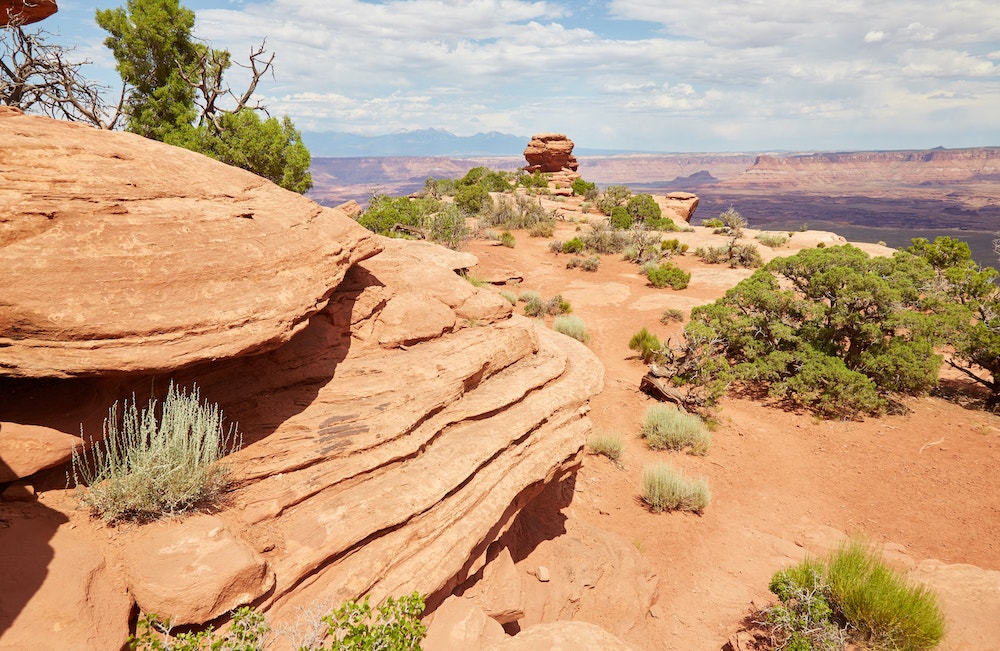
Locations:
column 922, row 484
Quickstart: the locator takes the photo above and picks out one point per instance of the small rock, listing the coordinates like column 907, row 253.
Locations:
column 542, row 574
column 19, row 493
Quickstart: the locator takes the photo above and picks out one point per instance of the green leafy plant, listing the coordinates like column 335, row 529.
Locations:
column 574, row 245
column 248, row 631
column 613, row 195
column 393, row 626
column 609, row 444
column 646, row 344
column 671, row 315
column 156, row 462
column 620, row 218
column 584, row 189
column 666, row 428
column 590, row 263
column 643, row 207
column 665, row 488
column 735, row 254
column 572, row 326
column 668, row 274
column 473, row 199
column 507, row 239
column 713, row 222
column 510, row 296
column 673, row 247
column 557, row 305
column 851, row 596
column 772, row 240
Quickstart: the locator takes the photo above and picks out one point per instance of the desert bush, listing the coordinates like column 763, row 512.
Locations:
column 713, row 222
column 542, row 229
column 666, row 489
column 646, row 344
column 556, row 246
column 510, row 296
column 772, row 240
column 605, row 239
column 646, row 267
column 534, row 307
column 248, row 631
column 507, row 239
column 474, row 280
column 572, row 326
column 643, row 207
column 610, row 444
column 534, row 181
column 529, row 295
column 879, row 603
column 664, row 224
column 590, row 263
column 667, row 428
column 734, row 254
column 473, row 199
column 671, row 315
column 852, row 596
column 668, row 274
column 673, row 247
column 733, row 222
column 613, row 195
column 156, row 462
column 489, row 180
column 557, row 305
column 620, row 218
column 584, row 189
column 574, row 245
column 385, row 212
column 447, row 227
column 518, row 211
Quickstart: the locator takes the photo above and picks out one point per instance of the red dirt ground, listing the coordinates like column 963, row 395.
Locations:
column 924, row 483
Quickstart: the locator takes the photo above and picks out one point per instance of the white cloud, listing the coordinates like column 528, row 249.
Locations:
column 874, row 37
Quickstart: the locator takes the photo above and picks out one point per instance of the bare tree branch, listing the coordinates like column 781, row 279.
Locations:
column 206, row 78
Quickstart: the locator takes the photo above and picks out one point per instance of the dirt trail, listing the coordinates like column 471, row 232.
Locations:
column 783, row 483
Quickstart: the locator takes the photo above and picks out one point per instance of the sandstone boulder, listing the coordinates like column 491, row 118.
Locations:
column 458, row 625
column 193, row 570
column 123, row 255
column 26, row 449
column 25, row 12
column 679, row 206
column 550, row 152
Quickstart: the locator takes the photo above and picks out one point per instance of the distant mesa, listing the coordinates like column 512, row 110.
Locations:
column 25, row 12
column 550, row 152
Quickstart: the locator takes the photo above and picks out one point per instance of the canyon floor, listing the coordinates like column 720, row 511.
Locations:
column 784, row 484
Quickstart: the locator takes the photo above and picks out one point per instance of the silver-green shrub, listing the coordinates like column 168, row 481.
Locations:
column 156, row 462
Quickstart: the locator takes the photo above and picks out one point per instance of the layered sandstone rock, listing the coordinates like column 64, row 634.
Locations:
column 395, row 418
column 550, row 152
column 25, row 12
column 121, row 254
column 679, row 206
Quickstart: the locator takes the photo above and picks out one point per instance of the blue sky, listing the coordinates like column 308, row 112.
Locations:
column 652, row 75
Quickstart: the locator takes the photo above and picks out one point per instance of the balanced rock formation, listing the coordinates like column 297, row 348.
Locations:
column 394, row 427
column 25, row 12
column 121, row 254
column 550, row 152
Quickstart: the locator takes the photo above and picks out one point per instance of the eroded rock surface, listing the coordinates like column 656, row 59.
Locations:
column 550, row 152
column 121, row 254
column 679, row 205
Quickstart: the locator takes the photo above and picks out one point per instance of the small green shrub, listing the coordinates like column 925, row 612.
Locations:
column 510, row 296
column 610, row 444
column 581, row 187
column 671, row 315
column 668, row 275
column 542, row 229
column 473, row 199
column 395, row 626
column 533, row 307
column 666, row 489
column 662, row 224
column 821, row 245
column 605, row 239
column 620, row 218
column 557, row 305
column 575, row 245
column 590, row 263
column 713, row 222
column 772, row 240
column 507, row 239
column 556, row 246
column 666, row 428
column 613, row 195
column 153, row 463
column 879, row 603
column 249, row 631
column 673, row 247
column 474, row 280
column 646, row 344
column 572, row 326
column 851, row 597
column 735, row 254
column 643, row 207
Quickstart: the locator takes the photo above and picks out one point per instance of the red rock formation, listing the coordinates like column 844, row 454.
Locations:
column 550, row 152
column 25, row 12
column 388, row 441
column 121, row 254
column 678, row 205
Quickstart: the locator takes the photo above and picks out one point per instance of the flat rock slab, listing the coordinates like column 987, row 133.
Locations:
column 121, row 254
column 193, row 570
column 26, row 449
